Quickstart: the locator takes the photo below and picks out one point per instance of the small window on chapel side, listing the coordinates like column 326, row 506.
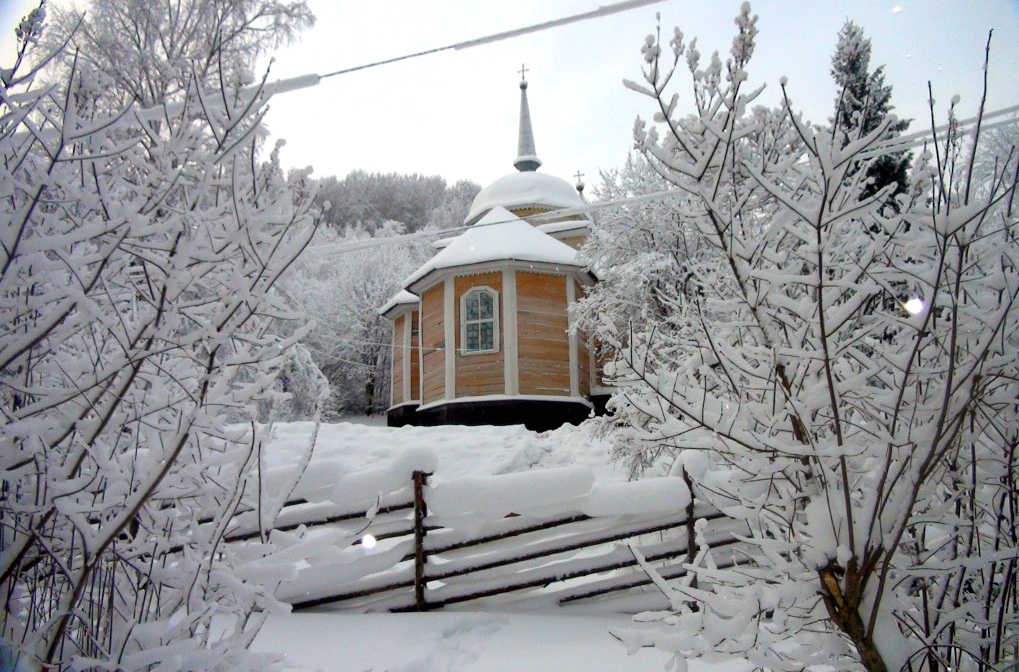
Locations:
column 479, row 321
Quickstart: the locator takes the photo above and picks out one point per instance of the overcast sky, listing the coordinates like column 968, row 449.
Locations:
column 455, row 113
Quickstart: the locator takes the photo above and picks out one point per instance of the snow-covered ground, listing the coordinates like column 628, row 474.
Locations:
column 360, row 447
column 462, row 642
column 440, row 641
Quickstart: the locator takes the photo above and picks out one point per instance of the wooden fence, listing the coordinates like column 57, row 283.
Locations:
column 421, row 564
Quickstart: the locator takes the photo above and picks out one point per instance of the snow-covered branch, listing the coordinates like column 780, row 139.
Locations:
column 836, row 369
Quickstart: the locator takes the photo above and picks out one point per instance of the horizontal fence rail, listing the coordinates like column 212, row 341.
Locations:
column 426, row 562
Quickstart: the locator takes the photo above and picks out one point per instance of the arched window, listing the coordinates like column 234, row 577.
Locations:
column 479, row 321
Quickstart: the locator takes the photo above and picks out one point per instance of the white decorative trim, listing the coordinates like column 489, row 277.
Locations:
column 392, row 368
column 508, row 397
column 571, row 298
column 602, row 389
column 421, row 353
column 405, row 357
column 592, row 373
column 449, row 336
column 463, row 321
column 511, row 356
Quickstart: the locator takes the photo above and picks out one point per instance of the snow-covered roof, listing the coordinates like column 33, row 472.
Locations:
column 525, row 189
column 499, row 235
column 402, row 297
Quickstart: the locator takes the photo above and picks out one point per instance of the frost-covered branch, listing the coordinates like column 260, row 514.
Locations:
column 137, row 294
column 836, row 372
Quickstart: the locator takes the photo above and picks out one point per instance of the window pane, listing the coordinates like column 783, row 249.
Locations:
column 487, row 336
column 486, row 305
column 472, row 337
column 472, row 307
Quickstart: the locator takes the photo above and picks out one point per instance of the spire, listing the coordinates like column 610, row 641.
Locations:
column 527, row 157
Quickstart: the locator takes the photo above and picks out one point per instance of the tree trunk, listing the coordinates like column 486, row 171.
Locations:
column 844, row 610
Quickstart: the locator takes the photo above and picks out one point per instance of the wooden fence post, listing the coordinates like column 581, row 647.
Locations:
column 420, row 511
column 691, row 531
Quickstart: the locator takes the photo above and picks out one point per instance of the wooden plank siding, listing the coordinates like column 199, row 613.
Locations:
column 478, row 375
column 543, row 342
column 434, row 375
column 415, row 360
column 399, row 352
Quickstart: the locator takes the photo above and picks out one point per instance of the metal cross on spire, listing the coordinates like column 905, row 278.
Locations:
column 527, row 158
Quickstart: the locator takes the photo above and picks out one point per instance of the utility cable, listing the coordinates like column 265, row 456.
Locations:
column 605, row 10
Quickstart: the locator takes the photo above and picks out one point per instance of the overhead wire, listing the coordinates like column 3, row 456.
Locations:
column 604, row 10
column 267, row 90
column 279, row 87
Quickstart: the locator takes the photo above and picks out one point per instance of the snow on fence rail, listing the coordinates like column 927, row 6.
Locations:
column 400, row 544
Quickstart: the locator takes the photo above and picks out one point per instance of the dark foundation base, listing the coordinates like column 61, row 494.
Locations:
column 537, row 416
column 402, row 415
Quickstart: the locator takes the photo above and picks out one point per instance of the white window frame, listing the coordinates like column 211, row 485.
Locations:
column 480, row 289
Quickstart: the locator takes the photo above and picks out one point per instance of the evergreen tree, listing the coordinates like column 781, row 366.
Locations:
column 863, row 103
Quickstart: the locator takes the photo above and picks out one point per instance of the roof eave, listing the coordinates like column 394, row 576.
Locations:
column 391, row 310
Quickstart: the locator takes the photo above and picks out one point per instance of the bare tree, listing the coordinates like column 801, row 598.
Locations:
column 138, row 254
column 344, row 289
column 840, row 378
column 151, row 52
